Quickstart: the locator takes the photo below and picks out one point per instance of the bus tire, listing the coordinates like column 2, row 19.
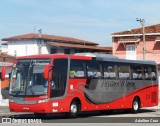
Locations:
column 135, row 105
column 73, row 110
column 40, row 115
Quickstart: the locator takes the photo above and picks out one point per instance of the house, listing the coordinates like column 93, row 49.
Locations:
column 5, row 60
column 3, row 47
column 129, row 44
column 31, row 44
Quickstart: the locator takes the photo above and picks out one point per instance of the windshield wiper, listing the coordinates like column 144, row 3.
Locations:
column 18, row 92
column 30, row 87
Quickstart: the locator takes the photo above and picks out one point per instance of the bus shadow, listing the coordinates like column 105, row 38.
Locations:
column 87, row 114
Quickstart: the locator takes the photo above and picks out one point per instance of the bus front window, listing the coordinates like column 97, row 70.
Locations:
column 37, row 84
column 19, row 79
column 27, row 78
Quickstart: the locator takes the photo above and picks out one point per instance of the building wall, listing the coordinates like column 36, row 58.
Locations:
column 59, row 49
column 27, row 47
column 4, row 48
column 45, row 48
column 30, row 47
column 152, row 49
column 119, row 49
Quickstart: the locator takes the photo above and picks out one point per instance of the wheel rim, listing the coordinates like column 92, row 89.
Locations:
column 74, row 108
column 135, row 105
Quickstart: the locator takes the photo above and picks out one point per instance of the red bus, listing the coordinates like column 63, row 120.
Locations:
column 61, row 83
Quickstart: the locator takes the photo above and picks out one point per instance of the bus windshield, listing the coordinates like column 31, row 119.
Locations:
column 27, row 78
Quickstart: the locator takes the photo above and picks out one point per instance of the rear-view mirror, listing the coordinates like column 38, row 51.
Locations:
column 46, row 71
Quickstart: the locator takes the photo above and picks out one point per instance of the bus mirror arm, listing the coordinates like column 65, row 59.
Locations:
column 4, row 70
column 46, row 71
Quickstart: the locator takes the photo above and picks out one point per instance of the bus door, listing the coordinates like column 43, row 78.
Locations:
column 59, row 77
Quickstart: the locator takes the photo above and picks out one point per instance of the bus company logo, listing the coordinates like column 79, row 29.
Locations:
column 114, row 84
column 6, row 120
column 12, row 120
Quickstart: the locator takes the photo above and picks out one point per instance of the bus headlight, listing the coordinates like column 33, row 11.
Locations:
column 43, row 100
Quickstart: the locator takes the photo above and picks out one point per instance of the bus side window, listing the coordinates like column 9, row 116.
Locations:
column 153, row 73
column 147, row 72
column 124, row 71
column 136, row 72
column 150, row 72
column 80, row 74
column 109, row 71
column 76, row 69
column 72, row 73
column 93, row 70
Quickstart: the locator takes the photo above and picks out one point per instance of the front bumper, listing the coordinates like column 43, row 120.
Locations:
column 39, row 108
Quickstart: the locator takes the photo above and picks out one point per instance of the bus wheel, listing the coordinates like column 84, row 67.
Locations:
column 40, row 115
column 135, row 105
column 74, row 110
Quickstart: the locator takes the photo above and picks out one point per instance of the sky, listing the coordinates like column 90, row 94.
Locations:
column 91, row 20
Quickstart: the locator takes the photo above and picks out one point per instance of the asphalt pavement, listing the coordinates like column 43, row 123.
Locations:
column 118, row 116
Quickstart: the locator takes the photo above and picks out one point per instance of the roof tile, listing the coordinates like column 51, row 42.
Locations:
column 49, row 38
column 80, row 46
column 148, row 29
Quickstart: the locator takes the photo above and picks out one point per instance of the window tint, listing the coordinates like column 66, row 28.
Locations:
column 77, row 69
column 93, row 70
column 137, row 72
column 151, row 70
column 59, row 77
column 145, row 72
column 123, row 71
column 153, row 73
column 109, row 70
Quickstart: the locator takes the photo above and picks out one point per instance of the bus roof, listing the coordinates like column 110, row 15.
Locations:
column 96, row 56
column 109, row 57
column 43, row 56
column 126, row 61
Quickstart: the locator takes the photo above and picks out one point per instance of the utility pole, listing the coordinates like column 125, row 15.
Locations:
column 39, row 43
column 143, row 32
